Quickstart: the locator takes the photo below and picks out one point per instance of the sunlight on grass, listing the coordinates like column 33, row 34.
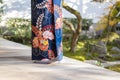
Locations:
column 77, row 55
column 80, row 53
column 80, row 45
column 111, row 37
column 114, row 68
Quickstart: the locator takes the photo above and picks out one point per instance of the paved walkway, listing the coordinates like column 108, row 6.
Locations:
column 16, row 64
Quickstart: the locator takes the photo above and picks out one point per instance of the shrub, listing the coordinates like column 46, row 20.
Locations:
column 21, row 29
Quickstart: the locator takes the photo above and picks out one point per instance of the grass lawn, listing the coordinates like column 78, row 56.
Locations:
column 77, row 55
column 80, row 53
column 114, row 68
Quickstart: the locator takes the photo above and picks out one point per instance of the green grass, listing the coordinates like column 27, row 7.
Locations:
column 81, row 51
column 77, row 55
column 83, row 48
column 114, row 68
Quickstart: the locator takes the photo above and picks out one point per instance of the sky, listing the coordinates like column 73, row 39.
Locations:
column 88, row 9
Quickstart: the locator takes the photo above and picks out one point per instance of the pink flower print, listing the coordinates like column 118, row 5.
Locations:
column 58, row 23
column 48, row 35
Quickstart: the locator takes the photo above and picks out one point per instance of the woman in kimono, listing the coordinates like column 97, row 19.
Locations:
column 46, row 31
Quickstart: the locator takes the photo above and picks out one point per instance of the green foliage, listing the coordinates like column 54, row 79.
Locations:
column 115, row 11
column 1, row 1
column 113, row 18
column 66, row 29
column 67, row 32
column 77, row 55
column 83, row 37
column 0, row 31
column 98, row 63
column 74, row 21
column 113, row 14
column 114, row 68
column 1, row 9
column 86, row 23
column 21, row 29
column 98, row 1
column 80, row 53
column 83, row 48
column 111, row 37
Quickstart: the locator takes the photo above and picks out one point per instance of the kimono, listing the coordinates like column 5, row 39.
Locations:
column 46, row 30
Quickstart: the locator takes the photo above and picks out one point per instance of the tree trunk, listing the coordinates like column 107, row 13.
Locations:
column 76, row 31
column 76, row 35
column 74, row 42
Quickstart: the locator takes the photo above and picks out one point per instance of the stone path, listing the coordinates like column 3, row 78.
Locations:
column 16, row 64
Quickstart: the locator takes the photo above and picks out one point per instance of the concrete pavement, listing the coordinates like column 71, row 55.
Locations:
column 16, row 64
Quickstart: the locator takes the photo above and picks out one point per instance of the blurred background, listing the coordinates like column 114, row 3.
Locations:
column 91, row 28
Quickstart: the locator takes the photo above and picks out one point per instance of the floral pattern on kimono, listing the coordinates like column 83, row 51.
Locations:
column 46, row 30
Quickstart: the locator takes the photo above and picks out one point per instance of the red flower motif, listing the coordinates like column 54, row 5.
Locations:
column 51, row 54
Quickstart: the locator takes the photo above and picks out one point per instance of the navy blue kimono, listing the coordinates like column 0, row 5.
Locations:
column 46, row 30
